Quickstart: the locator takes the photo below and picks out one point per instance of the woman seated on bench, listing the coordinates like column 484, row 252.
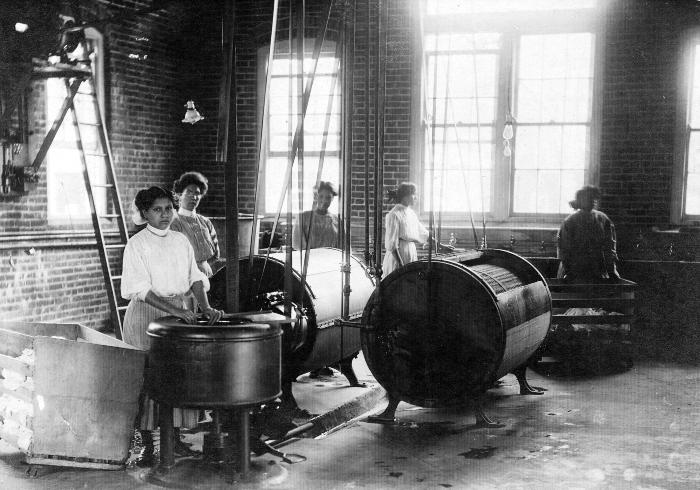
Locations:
column 586, row 244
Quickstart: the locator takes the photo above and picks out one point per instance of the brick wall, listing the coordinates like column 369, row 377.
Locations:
column 54, row 274
column 641, row 56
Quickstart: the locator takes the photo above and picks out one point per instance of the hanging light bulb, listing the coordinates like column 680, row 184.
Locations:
column 192, row 115
column 507, row 136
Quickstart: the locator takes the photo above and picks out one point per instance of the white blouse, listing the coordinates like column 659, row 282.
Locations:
column 161, row 261
column 403, row 230
column 402, row 223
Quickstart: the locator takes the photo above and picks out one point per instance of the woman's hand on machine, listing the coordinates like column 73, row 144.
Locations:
column 212, row 314
column 186, row 315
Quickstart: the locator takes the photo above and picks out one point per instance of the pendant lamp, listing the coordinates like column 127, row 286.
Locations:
column 192, row 115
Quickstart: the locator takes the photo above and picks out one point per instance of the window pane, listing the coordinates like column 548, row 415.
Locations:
column 555, row 78
column 321, row 133
column 449, row 7
column 462, row 151
column 65, row 186
column 458, row 190
column 554, row 90
column 695, row 91
column 692, row 203
column 275, row 169
column 524, row 199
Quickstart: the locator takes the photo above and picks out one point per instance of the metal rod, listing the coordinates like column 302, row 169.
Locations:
column 262, row 136
column 321, row 160
column 431, row 214
column 288, row 272
column 295, row 141
column 379, row 141
column 231, row 166
column 348, row 62
column 301, row 30
column 243, row 441
column 368, row 252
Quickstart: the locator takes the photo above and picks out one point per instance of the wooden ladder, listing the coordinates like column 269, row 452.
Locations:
column 101, row 186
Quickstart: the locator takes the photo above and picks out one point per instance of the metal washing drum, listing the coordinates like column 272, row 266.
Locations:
column 232, row 364
column 318, row 341
column 439, row 337
column 228, row 364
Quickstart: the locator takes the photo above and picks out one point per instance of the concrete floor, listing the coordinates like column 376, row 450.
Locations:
column 637, row 429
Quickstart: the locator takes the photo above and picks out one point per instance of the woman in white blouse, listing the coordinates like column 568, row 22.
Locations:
column 403, row 229
column 159, row 272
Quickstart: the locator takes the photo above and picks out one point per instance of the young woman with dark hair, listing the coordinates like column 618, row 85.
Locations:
column 159, row 273
column 190, row 188
column 403, row 229
column 586, row 241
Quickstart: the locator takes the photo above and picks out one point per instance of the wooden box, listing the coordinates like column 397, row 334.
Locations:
column 602, row 311
column 80, row 391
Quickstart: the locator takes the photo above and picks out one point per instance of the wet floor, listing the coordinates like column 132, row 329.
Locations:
column 636, row 429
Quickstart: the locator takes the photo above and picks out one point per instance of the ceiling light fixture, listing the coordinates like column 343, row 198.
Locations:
column 192, row 115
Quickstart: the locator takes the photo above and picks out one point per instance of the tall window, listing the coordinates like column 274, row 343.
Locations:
column 321, row 124
column 67, row 201
column 508, row 105
column 691, row 204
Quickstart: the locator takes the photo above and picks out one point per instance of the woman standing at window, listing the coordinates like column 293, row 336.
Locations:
column 190, row 188
column 403, row 229
column 159, row 272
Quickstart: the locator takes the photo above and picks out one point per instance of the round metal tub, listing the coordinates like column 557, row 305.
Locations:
column 224, row 365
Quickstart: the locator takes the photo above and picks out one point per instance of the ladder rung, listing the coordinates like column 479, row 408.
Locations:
column 116, row 278
column 89, row 124
column 115, row 245
column 96, row 154
column 108, row 215
column 122, row 308
column 103, row 185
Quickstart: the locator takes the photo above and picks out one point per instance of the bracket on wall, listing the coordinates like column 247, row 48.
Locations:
column 16, row 177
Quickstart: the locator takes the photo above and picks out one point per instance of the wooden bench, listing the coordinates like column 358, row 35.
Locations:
column 607, row 334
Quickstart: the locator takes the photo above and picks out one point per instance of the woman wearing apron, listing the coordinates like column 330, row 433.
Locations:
column 159, row 272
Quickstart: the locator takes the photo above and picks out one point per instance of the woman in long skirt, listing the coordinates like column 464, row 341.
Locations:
column 159, row 273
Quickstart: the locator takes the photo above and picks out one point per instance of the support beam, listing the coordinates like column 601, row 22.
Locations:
column 231, row 164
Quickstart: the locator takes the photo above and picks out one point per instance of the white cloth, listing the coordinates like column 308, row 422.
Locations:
column 161, row 261
column 403, row 229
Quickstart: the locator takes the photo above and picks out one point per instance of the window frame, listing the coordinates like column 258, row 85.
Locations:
column 517, row 24
column 679, row 189
column 328, row 49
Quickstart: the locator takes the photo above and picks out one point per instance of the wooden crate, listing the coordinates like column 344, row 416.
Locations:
column 610, row 329
column 84, row 396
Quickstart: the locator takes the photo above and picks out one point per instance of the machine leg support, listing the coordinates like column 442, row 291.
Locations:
column 347, row 371
column 167, row 437
column 388, row 416
column 242, row 421
column 525, row 388
column 483, row 420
